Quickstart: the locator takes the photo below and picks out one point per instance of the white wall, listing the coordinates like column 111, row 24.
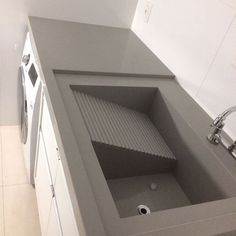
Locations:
column 13, row 17
column 196, row 39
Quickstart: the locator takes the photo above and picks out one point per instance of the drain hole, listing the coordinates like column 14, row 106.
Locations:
column 143, row 210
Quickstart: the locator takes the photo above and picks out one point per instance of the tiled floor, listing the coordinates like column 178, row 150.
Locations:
column 18, row 207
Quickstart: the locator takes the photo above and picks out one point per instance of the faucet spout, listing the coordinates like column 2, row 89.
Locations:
column 220, row 119
column 215, row 135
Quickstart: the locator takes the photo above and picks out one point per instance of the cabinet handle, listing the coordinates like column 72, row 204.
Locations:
column 58, row 154
column 52, row 190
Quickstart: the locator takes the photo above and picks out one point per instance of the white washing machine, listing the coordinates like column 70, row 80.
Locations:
column 31, row 99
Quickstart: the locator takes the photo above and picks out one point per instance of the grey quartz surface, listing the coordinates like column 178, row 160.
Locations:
column 82, row 47
column 128, row 193
column 201, row 172
column 117, row 125
column 75, row 49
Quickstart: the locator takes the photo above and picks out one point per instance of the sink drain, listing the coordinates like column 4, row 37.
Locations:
column 143, row 210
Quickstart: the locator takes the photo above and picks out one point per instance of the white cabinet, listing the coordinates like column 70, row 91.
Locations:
column 43, row 186
column 50, row 141
column 65, row 211
column 54, row 226
column 48, row 212
column 55, row 207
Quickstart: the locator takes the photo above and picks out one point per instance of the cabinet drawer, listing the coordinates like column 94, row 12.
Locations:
column 54, row 226
column 65, row 210
column 42, row 186
column 49, row 140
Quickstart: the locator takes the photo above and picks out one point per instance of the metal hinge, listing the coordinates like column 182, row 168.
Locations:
column 58, row 154
column 52, row 190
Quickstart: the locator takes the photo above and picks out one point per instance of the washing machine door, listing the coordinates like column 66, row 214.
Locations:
column 24, row 108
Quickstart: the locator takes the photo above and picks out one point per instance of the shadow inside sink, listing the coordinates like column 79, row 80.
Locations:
column 148, row 153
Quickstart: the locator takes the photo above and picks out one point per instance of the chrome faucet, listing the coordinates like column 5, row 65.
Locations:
column 218, row 124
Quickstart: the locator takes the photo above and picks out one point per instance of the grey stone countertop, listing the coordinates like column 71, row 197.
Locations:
column 66, row 51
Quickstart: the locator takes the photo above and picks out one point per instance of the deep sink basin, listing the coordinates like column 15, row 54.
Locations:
column 141, row 140
column 141, row 144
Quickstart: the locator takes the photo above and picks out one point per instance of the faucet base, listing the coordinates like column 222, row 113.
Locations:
column 229, row 147
column 214, row 138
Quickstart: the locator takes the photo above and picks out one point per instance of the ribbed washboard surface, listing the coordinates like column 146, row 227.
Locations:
column 119, row 126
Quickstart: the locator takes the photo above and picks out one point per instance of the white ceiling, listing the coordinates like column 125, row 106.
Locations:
column 13, row 18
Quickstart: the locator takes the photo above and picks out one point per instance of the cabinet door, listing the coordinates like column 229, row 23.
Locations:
column 54, row 228
column 43, row 186
column 49, row 140
column 65, row 210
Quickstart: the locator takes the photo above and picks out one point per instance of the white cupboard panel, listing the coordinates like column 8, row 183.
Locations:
column 54, row 228
column 42, row 186
column 67, row 218
column 50, row 141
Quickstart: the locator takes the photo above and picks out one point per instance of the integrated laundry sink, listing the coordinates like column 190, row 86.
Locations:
column 150, row 156
column 142, row 144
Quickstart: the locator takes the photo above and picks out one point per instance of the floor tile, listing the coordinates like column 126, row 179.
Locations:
column 12, row 157
column 20, row 211
column 1, row 212
column 1, row 157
